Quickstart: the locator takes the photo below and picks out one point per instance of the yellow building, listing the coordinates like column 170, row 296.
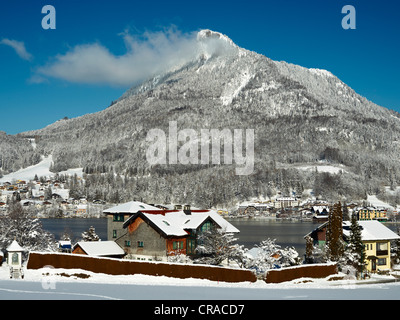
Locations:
column 376, row 238
column 371, row 214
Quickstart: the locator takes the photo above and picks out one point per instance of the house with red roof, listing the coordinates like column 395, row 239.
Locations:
column 149, row 233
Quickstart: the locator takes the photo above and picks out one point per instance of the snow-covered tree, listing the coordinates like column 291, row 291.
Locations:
column 267, row 256
column 20, row 225
column 90, row 235
column 355, row 250
column 215, row 246
column 270, row 255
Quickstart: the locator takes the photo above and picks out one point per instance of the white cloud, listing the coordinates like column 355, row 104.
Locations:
column 146, row 55
column 19, row 48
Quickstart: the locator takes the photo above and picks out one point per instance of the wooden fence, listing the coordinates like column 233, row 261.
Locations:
column 39, row 260
column 303, row 271
column 110, row 266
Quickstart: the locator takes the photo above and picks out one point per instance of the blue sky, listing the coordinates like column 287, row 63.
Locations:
column 101, row 48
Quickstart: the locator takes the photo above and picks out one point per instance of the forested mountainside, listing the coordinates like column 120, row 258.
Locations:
column 300, row 117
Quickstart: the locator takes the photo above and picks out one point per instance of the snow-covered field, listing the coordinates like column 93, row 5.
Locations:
column 63, row 284
column 40, row 169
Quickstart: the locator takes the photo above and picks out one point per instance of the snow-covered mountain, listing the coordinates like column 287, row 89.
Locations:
column 300, row 117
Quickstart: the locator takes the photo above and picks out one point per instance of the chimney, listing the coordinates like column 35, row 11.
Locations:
column 186, row 209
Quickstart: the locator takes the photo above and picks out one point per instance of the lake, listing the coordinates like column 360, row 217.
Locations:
column 252, row 231
column 287, row 233
column 75, row 227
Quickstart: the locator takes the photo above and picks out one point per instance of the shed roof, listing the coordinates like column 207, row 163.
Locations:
column 100, row 248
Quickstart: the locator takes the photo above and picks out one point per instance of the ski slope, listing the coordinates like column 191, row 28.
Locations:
column 42, row 169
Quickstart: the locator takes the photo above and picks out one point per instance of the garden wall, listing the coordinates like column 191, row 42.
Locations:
column 39, row 260
column 303, row 271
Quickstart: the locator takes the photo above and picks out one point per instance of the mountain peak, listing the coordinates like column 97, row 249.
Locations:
column 206, row 34
column 212, row 43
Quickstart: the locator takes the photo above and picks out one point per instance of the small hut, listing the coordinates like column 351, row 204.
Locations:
column 14, row 259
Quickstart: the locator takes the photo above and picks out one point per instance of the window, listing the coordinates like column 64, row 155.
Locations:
column 381, row 248
column 15, row 258
column 206, row 226
column 191, row 246
column 118, row 217
column 114, row 233
column 140, row 244
column 382, row 262
column 177, row 245
column 127, row 243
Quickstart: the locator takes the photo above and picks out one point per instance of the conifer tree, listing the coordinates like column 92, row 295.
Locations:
column 309, row 250
column 90, row 235
column 334, row 233
column 356, row 246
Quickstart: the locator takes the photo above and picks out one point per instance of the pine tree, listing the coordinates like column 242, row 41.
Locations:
column 346, row 214
column 90, row 235
column 334, row 233
column 356, row 247
column 309, row 250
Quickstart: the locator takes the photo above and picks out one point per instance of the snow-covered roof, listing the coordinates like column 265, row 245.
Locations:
column 100, row 248
column 131, row 207
column 170, row 224
column 14, row 246
column 175, row 223
column 372, row 230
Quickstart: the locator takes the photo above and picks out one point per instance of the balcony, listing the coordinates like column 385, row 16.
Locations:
column 382, row 252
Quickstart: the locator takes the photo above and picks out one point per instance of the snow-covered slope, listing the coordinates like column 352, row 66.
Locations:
column 40, row 169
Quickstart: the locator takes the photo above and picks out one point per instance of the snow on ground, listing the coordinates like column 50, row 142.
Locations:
column 40, row 169
column 375, row 202
column 49, row 283
column 323, row 168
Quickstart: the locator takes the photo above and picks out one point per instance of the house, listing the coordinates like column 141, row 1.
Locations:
column 286, row 202
column 154, row 234
column 108, row 249
column 118, row 214
column 81, row 209
column 375, row 236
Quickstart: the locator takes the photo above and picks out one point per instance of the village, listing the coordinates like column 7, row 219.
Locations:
column 48, row 197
